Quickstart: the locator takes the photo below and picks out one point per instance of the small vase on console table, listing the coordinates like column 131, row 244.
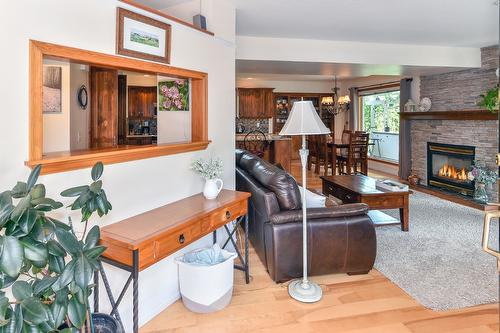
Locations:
column 212, row 188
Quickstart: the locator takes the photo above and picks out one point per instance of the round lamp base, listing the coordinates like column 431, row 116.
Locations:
column 309, row 292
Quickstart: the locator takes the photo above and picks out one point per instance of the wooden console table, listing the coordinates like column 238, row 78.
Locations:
column 143, row 240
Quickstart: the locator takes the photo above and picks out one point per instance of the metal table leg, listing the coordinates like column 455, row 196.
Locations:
column 244, row 260
column 133, row 278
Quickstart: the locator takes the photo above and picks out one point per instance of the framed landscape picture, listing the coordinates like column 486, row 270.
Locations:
column 142, row 37
column 52, row 85
column 173, row 95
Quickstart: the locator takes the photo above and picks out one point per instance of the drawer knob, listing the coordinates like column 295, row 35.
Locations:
column 182, row 239
column 228, row 214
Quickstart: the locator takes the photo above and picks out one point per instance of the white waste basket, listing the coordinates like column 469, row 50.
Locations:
column 207, row 288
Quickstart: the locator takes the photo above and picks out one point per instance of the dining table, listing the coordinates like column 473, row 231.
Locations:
column 333, row 145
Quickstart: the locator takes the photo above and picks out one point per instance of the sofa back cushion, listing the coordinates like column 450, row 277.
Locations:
column 274, row 179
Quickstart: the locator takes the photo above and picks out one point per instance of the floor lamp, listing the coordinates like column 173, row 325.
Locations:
column 304, row 120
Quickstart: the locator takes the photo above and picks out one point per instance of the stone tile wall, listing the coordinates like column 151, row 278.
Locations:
column 457, row 91
column 481, row 134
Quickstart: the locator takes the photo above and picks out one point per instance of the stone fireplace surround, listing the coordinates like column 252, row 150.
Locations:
column 457, row 91
column 483, row 134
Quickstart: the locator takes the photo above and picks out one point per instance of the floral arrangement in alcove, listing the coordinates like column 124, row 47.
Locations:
column 173, row 95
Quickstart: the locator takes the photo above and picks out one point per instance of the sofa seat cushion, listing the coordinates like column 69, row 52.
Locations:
column 320, row 213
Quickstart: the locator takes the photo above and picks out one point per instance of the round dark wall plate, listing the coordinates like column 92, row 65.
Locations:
column 83, row 97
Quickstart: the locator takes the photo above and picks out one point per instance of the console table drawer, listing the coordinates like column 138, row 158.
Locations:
column 228, row 214
column 168, row 245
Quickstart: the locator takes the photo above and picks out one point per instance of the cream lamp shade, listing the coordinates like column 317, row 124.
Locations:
column 327, row 100
column 304, row 120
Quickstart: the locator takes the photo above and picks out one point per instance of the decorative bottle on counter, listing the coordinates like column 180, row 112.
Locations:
column 212, row 188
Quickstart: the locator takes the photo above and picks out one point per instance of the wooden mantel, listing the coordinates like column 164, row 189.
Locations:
column 449, row 115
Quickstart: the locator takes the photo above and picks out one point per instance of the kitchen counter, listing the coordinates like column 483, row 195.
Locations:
column 269, row 137
column 277, row 151
column 141, row 136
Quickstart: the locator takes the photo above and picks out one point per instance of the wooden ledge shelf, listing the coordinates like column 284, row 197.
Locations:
column 65, row 161
column 450, row 115
column 162, row 14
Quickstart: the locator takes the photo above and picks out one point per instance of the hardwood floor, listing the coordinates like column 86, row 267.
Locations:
column 355, row 304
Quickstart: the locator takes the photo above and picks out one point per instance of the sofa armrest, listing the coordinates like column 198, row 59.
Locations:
column 320, row 213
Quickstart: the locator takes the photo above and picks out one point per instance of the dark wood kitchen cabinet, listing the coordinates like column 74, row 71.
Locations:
column 141, row 101
column 255, row 102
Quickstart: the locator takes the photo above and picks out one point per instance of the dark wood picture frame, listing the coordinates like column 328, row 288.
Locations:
column 121, row 13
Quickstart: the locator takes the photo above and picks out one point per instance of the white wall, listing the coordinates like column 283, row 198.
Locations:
column 218, row 22
column 132, row 187
column 79, row 118
column 56, row 125
column 344, row 52
column 287, row 86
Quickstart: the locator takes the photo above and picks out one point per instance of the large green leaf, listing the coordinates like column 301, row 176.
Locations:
column 35, row 251
column 56, row 264
column 20, row 190
column 46, row 204
column 22, row 290
column 96, row 171
column 96, row 186
column 76, row 312
column 75, row 191
column 34, row 312
column 27, row 220
column 66, row 277
column 38, row 191
column 43, row 230
column 21, row 207
column 83, row 271
column 101, row 204
column 68, row 242
column 55, row 249
column 12, row 256
column 39, row 286
column 92, row 237
column 82, row 200
column 59, row 310
column 5, row 213
column 33, row 177
column 95, row 252
column 59, row 224
column 5, row 199
column 6, row 281
column 4, row 310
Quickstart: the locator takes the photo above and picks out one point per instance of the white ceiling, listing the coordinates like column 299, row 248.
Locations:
column 313, row 71
column 467, row 23
column 425, row 22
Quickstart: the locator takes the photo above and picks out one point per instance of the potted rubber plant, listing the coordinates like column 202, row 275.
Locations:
column 45, row 266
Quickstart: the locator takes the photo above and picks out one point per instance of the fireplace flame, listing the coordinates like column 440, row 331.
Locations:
column 449, row 171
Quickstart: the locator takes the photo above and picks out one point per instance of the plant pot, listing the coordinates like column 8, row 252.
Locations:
column 413, row 180
column 104, row 323
column 212, row 188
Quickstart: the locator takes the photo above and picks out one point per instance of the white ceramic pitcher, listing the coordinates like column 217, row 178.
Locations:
column 212, row 188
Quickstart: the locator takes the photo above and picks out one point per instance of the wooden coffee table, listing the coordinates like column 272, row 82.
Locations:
column 359, row 188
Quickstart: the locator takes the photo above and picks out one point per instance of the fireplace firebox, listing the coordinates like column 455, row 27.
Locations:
column 448, row 165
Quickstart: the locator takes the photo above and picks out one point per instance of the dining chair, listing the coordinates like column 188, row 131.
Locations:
column 355, row 157
column 318, row 153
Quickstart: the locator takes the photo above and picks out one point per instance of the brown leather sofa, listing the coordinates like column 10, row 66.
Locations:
column 341, row 239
